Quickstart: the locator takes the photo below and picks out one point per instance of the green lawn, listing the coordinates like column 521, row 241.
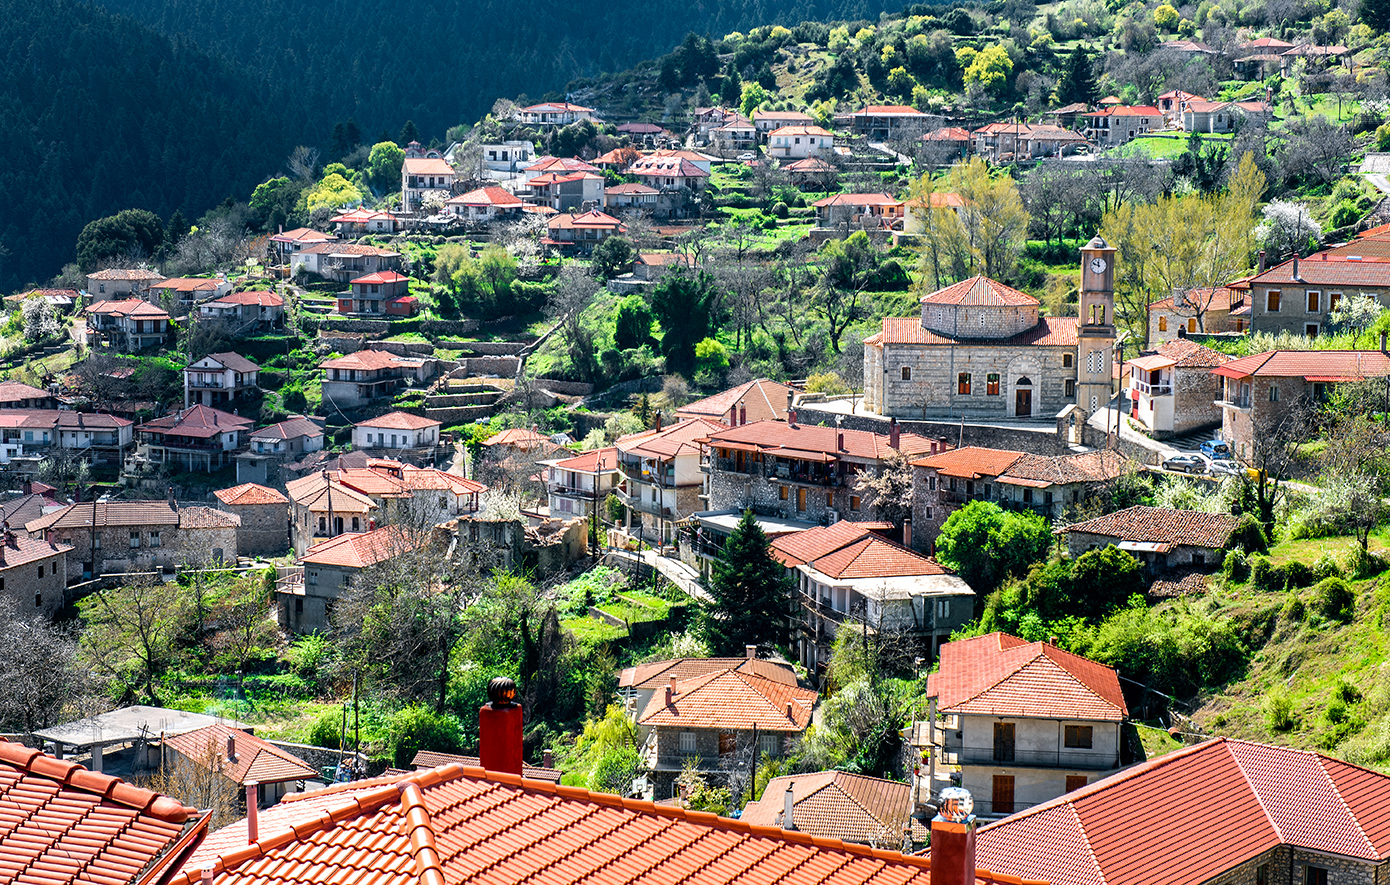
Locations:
column 1163, row 147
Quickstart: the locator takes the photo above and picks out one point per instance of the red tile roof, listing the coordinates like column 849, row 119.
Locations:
column 874, row 557
column 631, row 189
column 1001, row 675
column 60, row 824
column 254, row 759
column 1217, row 299
column 257, row 297
column 591, row 461
column 1160, row 525
column 1041, row 471
column 15, row 391
column 197, row 421
column 382, row 276
column 319, row 495
column 561, row 165
column 1188, row 354
column 799, row 130
column 234, row 361
column 657, row 674
column 366, row 359
column 488, row 196
column 363, row 549
column 810, row 165
column 114, row 513
column 248, row 493
column 1049, row 332
column 456, row 825
column 947, row 133
column 19, row 550
column 836, row 805
column 1342, row 364
column 302, row 235
column 431, row 759
column 194, row 517
column 1326, row 272
column 856, row 200
column 817, row 442
column 427, row 166
column 669, row 441
column 129, row 307
column 333, row 249
column 658, row 165
column 970, row 462
column 290, row 428
column 1253, row 797
column 797, row 548
column 188, row 284
column 126, row 275
column 730, row 699
column 762, row 400
column 593, row 219
column 522, row 437
column 399, row 421
column 980, row 291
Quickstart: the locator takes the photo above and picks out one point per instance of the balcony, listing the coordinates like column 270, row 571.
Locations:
column 1154, row 389
column 1079, row 759
column 1241, row 403
column 805, row 477
column 569, row 491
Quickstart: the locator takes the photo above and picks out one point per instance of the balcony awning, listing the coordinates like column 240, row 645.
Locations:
column 1019, row 481
column 1153, row 362
column 804, row 455
column 735, row 446
column 1227, row 372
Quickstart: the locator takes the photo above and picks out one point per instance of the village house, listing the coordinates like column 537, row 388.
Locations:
column 560, row 166
column 715, row 719
column 295, row 436
column 1117, row 125
column 637, row 685
column 767, row 121
column 189, row 291
column 196, row 438
column 1258, row 390
column 738, row 134
column 799, row 142
column 669, row 172
column 849, row 575
column 33, row 572
column 1262, row 830
column 759, row 400
column 321, row 507
column 507, row 156
column 287, row 242
column 406, row 494
column 1299, row 296
column 813, row 173
column 1019, row 140
column 649, row 267
column 581, row 484
column 1222, row 116
column 1172, row 390
column 850, row 212
column 220, row 378
column 18, row 395
column 644, row 133
column 485, row 205
column 889, row 122
column 246, row 310
column 1197, row 310
column 661, row 472
column 555, row 113
column 125, row 536
column 328, row 570
column 626, row 197
column 61, row 300
column 382, row 293
column 341, row 262
column 1173, row 102
column 1046, row 484
column 838, row 805
column 265, row 518
column 566, row 193
column 359, row 222
column 129, row 325
column 799, row 471
column 520, row 440
column 706, row 120
column 359, row 378
column 1024, row 721
column 1159, row 537
column 424, row 179
column 401, row 434
column 237, row 758
column 28, row 434
column 580, row 233
column 115, row 283
column 946, row 144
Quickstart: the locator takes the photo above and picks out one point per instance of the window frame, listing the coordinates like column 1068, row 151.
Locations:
column 963, row 384
column 1078, row 737
column 1274, row 299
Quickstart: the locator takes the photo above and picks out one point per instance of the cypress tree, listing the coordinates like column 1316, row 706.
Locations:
column 751, row 593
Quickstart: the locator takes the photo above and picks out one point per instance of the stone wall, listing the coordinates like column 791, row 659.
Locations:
column 1240, row 426
column 1037, row 440
column 569, row 388
column 973, row 321
column 766, row 494
column 264, row 528
column 175, row 547
column 38, row 586
column 1195, row 392
column 932, row 388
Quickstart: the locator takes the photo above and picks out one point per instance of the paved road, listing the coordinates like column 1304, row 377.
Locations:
column 673, row 570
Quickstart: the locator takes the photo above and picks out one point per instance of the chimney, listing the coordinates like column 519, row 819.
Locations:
column 953, row 839
column 840, row 441
column 173, row 505
column 893, row 433
column 788, row 802
column 231, row 748
column 547, row 758
column 1295, row 265
column 1382, row 342
column 499, row 728
column 658, row 420
column 733, row 416
column 789, row 711
column 205, row 874
column 791, row 396
column 671, row 691
column 742, row 413
column 1052, row 641
column 750, row 652
column 907, row 532
column 253, row 789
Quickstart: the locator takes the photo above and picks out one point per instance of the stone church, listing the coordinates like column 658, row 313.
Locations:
column 982, row 351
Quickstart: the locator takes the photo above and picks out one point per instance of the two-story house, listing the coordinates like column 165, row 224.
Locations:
column 577, row 486
column 799, row 142
column 1197, row 310
column 189, row 291
column 1024, row 721
column 289, row 439
column 799, row 471
column 661, row 473
column 361, row 222
column 28, row 434
column 367, row 375
column 637, row 685
column 130, row 325
column 713, row 719
column 850, row 574
column 401, row 434
column 627, row 197
column 768, row 121
column 383, row 292
column 424, row 179
column 555, row 113
column 287, row 242
column 560, row 166
column 663, row 171
column 738, row 134
column 18, row 395
column 33, row 572
column 1117, row 125
column 196, row 438
column 575, row 191
column 485, row 204
column 342, row 262
column 1159, row 537
column 581, row 233
column 219, row 378
column 1299, row 296
column 890, row 122
column 121, row 536
column 322, row 507
column 855, row 211
column 1257, row 390
column 305, row 600
column 1172, row 390
column 246, row 311
column 117, row 283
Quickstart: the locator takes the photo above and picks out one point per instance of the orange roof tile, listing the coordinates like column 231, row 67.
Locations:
column 433, row 759
column 1050, row 331
column 762, row 400
column 254, row 759
column 1160, row 525
column 797, row 548
column 197, row 421
column 980, row 290
column 730, row 699
column 399, row 421
column 363, row 549
column 521, row 437
column 318, row 494
column 366, row 359
column 257, row 297
column 659, row 673
column 837, row 805
column 971, row 462
column 592, row 461
column 249, row 493
column 19, row 550
column 669, row 441
column 874, row 557
column 1001, row 675
column 427, row 166
column 1341, row 364
column 803, row 440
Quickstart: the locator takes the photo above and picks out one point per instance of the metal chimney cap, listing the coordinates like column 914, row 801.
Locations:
column 957, row 805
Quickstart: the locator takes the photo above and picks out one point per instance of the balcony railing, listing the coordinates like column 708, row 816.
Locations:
column 1155, row 389
column 1066, row 758
column 806, row 477
column 1241, row 402
column 569, row 491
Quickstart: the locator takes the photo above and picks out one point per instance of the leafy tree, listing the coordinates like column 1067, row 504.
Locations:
column 891, row 487
column 731, row 89
column 711, row 358
column 272, row 200
column 1103, row 580
column 986, row 545
column 753, row 97
column 1315, row 149
column 993, row 221
column 987, row 69
column 901, row 83
column 684, row 304
column 384, row 166
column 333, row 192
column 633, row 324
column 131, row 633
column 611, row 257
column 750, row 591
column 1166, row 17
column 419, row 728
column 1375, row 14
column 130, row 234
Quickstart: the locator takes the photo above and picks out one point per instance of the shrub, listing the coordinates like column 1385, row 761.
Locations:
column 1334, row 599
column 1235, row 567
column 420, row 728
column 1325, row 566
column 1278, row 709
column 1293, row 608
column 1250, row 535
column 1296, row 574
column 1264, row 577
column 1346, row 213
column 780, row 210
column 326, row 730
column 1362, row 564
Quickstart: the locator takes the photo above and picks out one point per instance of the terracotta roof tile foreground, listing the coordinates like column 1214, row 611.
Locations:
column 253, row 759
column 432, row 759
column 454, row 825
column 1343, row 365
column 60, row 823
column 1160, row 525
column 1252, row 797
column 1001, row 675
column 814, row 442
column 729, row 699
column 839, row 805
column 362, row 549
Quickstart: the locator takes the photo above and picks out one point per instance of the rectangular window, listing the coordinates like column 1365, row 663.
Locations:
column 1070, row 388
column 312, row 579
column 931, row 483
column 134, row 540
column 1262, row 874
column 1002, row 799
column 1078, row 736
column 770, row 744
column 40, row 571
column 1273, row 393
column 963, row 383
column 688, row 742
column 1027, row 496
column 38, row 599
column 943, row 609
column 1333, row 299
column 1272, row 301
column 1314, row 301
column 992, row 384
column 907, row 373
column 1003, row 742
column 853, row 503
column 782, row 493
column 1075, row 782
column 154, row 539
column 1314, row 875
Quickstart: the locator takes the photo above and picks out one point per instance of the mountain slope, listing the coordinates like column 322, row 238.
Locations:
column 97, row 114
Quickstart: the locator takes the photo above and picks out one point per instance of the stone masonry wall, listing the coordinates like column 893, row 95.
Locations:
column 763, row 492
column 1195, row 392
column 1035, row 440
column 264, row 528
column 932, row 390
column 979, row 322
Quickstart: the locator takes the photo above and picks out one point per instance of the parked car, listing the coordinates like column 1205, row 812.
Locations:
column 746, row 157
column 1186, row 462
column 1215, row 449
column 1225, row 467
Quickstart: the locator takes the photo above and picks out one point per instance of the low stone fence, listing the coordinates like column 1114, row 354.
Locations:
column 569, row 388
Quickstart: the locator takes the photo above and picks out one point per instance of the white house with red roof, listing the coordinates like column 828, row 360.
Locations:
column 558, row 166
column 196, row 438
column 366, row 375
column 360, row 221
column 382, row 292
column 287, row 242
column 128, row 324
column 219, row 378
column 191, row 290
column 237, row 757
column 246, row 310
column 343, row 261
column 1119, row 124
column 623, row 197
column 662, row 474
column 1172, row 390
column 581, row 232
column 799, row 142
column 397, row 431
column 579, row 484
column 766, row 121
column 1250, row 812
column 1025, row 722
column 485, row 204
column 555, row 113
column 885, row 122
column 424, row 179
column 669, row 171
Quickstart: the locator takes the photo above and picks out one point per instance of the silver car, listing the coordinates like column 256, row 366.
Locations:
column 1225, row 467
column 1186, row 462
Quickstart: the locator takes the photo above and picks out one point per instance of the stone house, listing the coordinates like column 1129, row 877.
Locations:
column 328, row 569
column 424, row 179
column 1045, row 484
column 1117, row 125
column 1156, row 536
column 1260, row 832
column 712, row 719
column 407, row 494
column 265, row 518
column 1024, row 721
column 342, row 262
column 850, row 575
column 129, row 325
column 34, row 572
column 1299, row 296
column 321, row 507
column 115, row 283
column 1172, row 390
column 246, row 310
column 947, row 144
column 799, row 471
column 219, row 378
column 1200, row 310
column 758, row 400
column 1257, row 390
column 124, row 536
column 359, row 378
column 850, row 212
column 637, row 685
column 239, row 758
column 652, row 266
column 662, row 475
column 196, row 438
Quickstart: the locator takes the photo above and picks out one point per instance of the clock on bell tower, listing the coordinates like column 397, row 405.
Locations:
column 1096, row 326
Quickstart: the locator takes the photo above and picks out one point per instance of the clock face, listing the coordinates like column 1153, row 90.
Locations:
column 1097, row 265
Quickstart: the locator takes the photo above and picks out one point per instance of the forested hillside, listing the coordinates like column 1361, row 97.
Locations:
column 97, row 113
column 443, row 63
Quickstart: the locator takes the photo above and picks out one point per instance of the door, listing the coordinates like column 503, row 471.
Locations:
column 1003, row 742
column 1002, row 801
column 1075, row 782
column 1023, row 403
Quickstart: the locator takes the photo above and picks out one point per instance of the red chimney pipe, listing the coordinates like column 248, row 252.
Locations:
column 658, row 420
column 499, row 728
column 893, row 433
column 907, row 532
column 742, row 414
column 952, row 852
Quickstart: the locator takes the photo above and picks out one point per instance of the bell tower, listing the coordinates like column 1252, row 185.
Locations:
column 1095, row 344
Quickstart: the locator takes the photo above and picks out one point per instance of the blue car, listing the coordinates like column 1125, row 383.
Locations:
column 1216, row 449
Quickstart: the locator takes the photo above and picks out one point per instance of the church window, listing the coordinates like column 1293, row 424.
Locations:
column 1093, row 361
column 907, row 373
column 963, row 383
column 992, row 384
